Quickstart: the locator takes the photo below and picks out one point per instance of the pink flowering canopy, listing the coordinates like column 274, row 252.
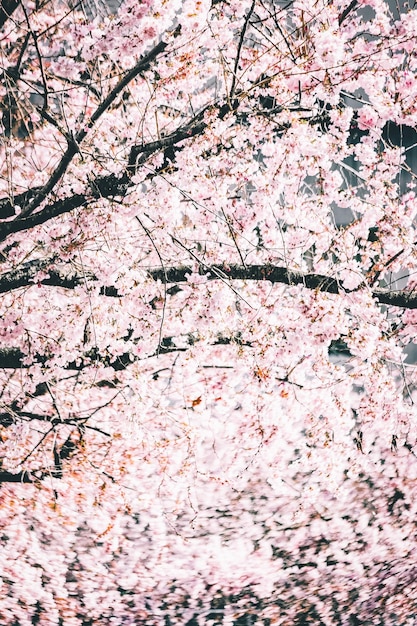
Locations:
column 208, row 309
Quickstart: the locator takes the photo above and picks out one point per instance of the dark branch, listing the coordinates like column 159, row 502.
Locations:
column 24, row 276
column 50, row 211
column 20, row 477
column 139, row 154
column 346, row 12
column 404, row 299
column 7, row 205
column 12, row 358
column 9, row 418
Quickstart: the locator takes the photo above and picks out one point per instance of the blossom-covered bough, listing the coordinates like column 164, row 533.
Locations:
column 207, row 408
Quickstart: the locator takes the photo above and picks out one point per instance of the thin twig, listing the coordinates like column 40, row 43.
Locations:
column 239, row 50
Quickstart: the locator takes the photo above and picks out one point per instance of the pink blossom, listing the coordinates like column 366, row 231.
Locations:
column 367, row 118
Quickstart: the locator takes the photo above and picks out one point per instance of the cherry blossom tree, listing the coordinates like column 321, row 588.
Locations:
column 207, row 256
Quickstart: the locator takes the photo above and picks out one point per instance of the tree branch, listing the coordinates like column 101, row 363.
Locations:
column 347, row 10
column 12, row 358
column 7, row 205
column 11, row 417
column 139, row 154
column 24, row 276
column 50, row 211
column 275, row 274
column 20, row 477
